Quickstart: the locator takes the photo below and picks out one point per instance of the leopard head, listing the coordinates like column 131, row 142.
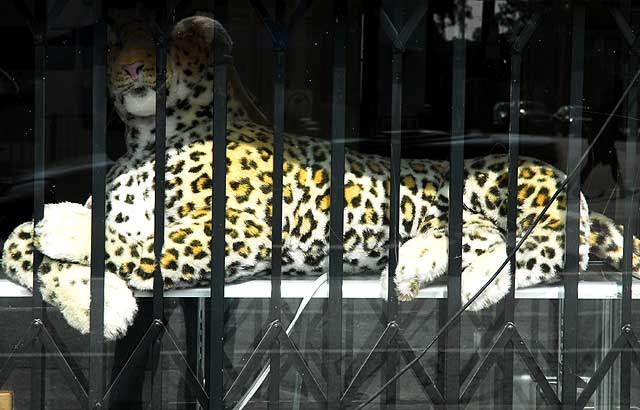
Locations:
column 131, row 62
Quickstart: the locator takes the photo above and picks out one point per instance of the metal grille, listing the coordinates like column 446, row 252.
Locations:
column 452, row 389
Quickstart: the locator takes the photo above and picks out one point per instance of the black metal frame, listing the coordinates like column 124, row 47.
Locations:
column 391, row 344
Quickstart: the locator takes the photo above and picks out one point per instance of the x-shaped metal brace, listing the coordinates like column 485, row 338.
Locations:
column 626, row 340
column 275, row 333
column 392, row 336
column 37, row 331
column 508, row 336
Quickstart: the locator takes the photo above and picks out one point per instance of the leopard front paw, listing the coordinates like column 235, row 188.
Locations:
column 476, row 275
column 67, row 287
column 65, row 232
column 407, row 290
column 421, row 260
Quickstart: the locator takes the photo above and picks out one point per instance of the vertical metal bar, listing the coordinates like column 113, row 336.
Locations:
column 158, row 239
column 570, row 322
column 370, row 66
column 215, row 378
column 160, row 141
column 38, row 364
column 394, row 217
column 394, row 206
column 456, row 186
column 631, row 223
column 441, row 364
column 338, row 136
column 512, row 213
column 98, row 185
column 276, row 233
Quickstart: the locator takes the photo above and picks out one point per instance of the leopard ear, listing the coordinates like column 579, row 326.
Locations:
column 202, row 29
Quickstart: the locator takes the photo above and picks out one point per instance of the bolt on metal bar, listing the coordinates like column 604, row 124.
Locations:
column 336, row 211
column 98, row 186
column 276, row 224
column 38, row 363
column 215, row 378
column 456, row 187
column 572, row 240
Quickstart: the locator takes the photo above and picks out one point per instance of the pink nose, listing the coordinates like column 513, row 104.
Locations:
column 133, row 69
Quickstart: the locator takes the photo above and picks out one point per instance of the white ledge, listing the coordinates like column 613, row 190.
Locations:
column 363, row 288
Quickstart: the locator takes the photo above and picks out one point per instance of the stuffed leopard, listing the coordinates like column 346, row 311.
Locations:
column 63, row 236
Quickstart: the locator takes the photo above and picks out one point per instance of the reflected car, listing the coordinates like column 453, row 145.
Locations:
column 561, row 119
column 535, row 117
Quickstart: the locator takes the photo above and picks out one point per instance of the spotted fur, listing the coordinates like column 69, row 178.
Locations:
column 185, row 260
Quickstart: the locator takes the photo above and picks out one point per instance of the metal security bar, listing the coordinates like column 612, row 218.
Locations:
column 339, row 389
column 336, row 213
column 98, row 197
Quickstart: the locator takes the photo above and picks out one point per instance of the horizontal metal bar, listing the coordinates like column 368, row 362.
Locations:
column 368, row 288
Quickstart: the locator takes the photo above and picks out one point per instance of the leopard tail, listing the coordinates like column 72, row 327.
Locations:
column 606, row 242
